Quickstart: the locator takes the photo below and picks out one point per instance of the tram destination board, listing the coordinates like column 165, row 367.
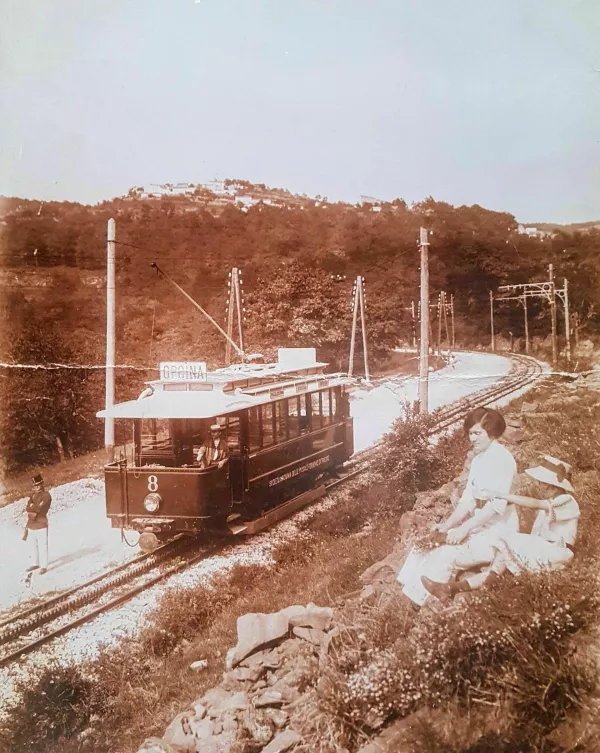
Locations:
column 183, row 371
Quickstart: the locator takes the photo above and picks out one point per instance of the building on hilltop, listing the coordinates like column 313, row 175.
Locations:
column 533, row 232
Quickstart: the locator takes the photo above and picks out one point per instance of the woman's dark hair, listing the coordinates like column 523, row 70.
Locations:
column 489, row 419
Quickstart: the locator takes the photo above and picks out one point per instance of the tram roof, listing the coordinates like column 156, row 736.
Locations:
column 225, row 391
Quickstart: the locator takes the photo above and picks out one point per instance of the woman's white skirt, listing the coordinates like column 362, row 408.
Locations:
column 519, row 552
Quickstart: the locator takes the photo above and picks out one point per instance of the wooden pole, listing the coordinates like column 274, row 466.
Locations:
column 492, row 321
column 452, row 315
column 364, row 326
column 445, row 311
column 526, row 324
column 567, row 321
column 109, row 422
column 553, row 314
column 353, row 336
column 424, row 351
column 439, row 328
column 229, row 320
column 238, row 303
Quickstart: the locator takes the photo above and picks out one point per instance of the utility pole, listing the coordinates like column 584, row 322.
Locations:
column 234, row 303
column 524, row 301
column 492, row 321
column 553, row 313
column 359, row 306
column 353, row 336
column 445, row 307
column 567, row 320
column 363, row 325
column 109, row 422
column 452, row 320
column 439, row 332
column 424, row 351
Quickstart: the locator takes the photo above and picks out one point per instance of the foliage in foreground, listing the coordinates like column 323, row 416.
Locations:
column 513, row 645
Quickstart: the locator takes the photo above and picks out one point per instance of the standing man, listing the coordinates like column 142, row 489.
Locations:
column 214, row 450
column 37, row 525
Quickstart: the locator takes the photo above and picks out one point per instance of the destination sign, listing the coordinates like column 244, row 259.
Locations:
column 183, row 371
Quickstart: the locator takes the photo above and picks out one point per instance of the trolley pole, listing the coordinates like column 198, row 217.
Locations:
column 492, row 321
column 526, row 324
column 553, row 313
column 567, row 321
column 109, row 422
column 424, row 351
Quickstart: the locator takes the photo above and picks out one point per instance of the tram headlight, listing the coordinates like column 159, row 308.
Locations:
column 152, row 502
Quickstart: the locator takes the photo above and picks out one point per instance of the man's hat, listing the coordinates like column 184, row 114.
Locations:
column 216, row 427
column 554, row 472
column 37, row 479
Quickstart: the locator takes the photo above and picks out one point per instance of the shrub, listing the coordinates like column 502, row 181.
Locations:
column 53, row 705
column 512, row 643
column 408, row 462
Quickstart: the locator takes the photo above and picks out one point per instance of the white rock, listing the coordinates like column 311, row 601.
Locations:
column 200, row 664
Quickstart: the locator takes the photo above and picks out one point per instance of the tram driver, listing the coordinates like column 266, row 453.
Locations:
column 214, row 449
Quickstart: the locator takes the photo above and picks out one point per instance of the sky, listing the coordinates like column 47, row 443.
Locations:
column 490, row 102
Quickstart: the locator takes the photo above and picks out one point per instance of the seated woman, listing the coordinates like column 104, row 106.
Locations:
column 475, row 521
column 549, row 546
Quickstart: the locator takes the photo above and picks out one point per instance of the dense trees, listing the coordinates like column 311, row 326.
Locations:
column 298, row 267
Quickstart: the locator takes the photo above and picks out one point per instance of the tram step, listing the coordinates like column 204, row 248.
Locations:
column 236, row 530
column 287, row 508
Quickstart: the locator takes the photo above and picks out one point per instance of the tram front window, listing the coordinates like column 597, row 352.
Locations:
column 154, row 442
column 156, row 435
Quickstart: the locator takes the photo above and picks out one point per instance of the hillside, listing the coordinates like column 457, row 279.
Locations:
column 298, row 263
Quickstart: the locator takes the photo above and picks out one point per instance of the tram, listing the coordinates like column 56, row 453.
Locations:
column 281, row 427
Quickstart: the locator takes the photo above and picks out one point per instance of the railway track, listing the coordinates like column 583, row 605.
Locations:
column 39, row 624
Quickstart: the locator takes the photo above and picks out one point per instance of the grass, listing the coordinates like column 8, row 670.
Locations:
column 502, row 675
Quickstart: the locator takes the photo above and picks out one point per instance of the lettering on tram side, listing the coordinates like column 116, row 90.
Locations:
column 299, row 470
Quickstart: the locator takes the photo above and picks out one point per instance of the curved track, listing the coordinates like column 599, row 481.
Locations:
column 21, row 633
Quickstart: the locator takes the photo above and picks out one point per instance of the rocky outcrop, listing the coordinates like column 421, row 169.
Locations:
column 275, row 657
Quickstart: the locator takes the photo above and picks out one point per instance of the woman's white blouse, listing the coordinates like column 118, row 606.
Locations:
column 495, row 468
column 559, row 526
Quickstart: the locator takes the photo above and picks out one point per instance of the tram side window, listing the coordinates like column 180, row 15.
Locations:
column 268, row 437
column 254, row 429
column 304, row 420
column 294, row 417
column 281, row 420
column 335, row 404
column 326, row 407
column 233, row 433
column 316, row 411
